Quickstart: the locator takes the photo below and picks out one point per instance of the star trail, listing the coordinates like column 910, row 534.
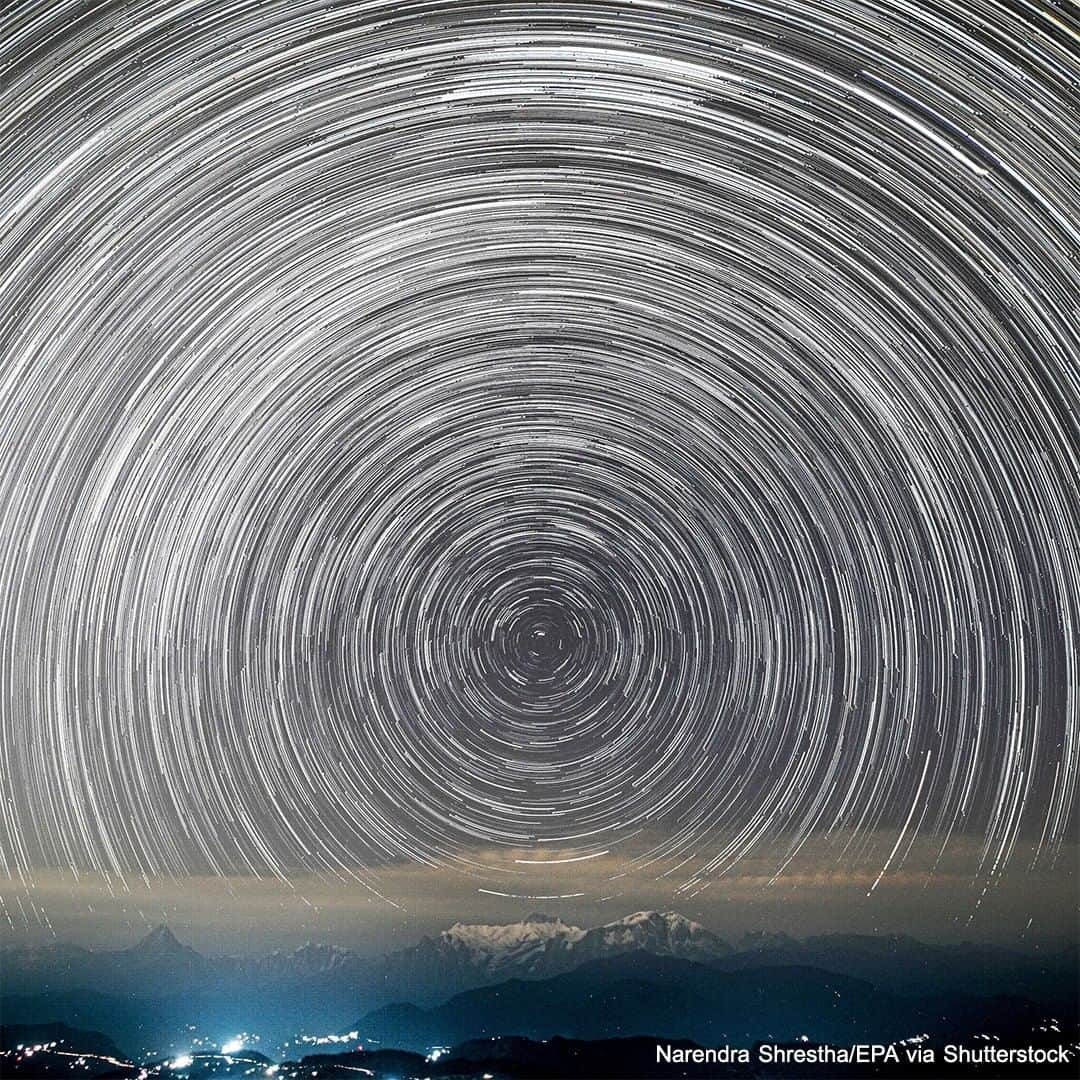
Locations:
column 485, row 435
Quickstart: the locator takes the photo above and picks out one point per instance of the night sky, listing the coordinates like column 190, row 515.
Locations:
column 459, row 458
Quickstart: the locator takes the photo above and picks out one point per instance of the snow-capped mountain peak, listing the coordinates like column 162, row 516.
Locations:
column 518, row 944
column 311, row 959
column 160, row 941
column 665, row 933
column 545, row 945
column 160, row 949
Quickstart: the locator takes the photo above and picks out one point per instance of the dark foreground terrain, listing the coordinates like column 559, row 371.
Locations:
column 47, row 1052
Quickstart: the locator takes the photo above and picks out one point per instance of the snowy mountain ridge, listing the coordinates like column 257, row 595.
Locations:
column 665, row 933
column 536, row 946
column 544, row 943
column 501, row 946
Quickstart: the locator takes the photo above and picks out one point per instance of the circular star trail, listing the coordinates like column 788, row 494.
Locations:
column 480, row 433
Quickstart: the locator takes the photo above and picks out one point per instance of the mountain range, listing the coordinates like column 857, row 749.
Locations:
column 461, row 957
column 635, row 993
column 151, row 996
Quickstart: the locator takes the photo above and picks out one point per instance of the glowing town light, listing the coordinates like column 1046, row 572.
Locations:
column 232, row 1046
column 181, row 1062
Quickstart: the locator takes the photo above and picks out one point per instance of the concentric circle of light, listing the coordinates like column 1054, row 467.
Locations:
column 434, row 429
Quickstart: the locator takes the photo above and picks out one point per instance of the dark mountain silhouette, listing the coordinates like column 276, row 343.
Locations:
column 638, row 993
column 136, row 1024
column 52, row 1050
column 905, row 965
column 157, row 959
column 161, row 943
column 567, row 1059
